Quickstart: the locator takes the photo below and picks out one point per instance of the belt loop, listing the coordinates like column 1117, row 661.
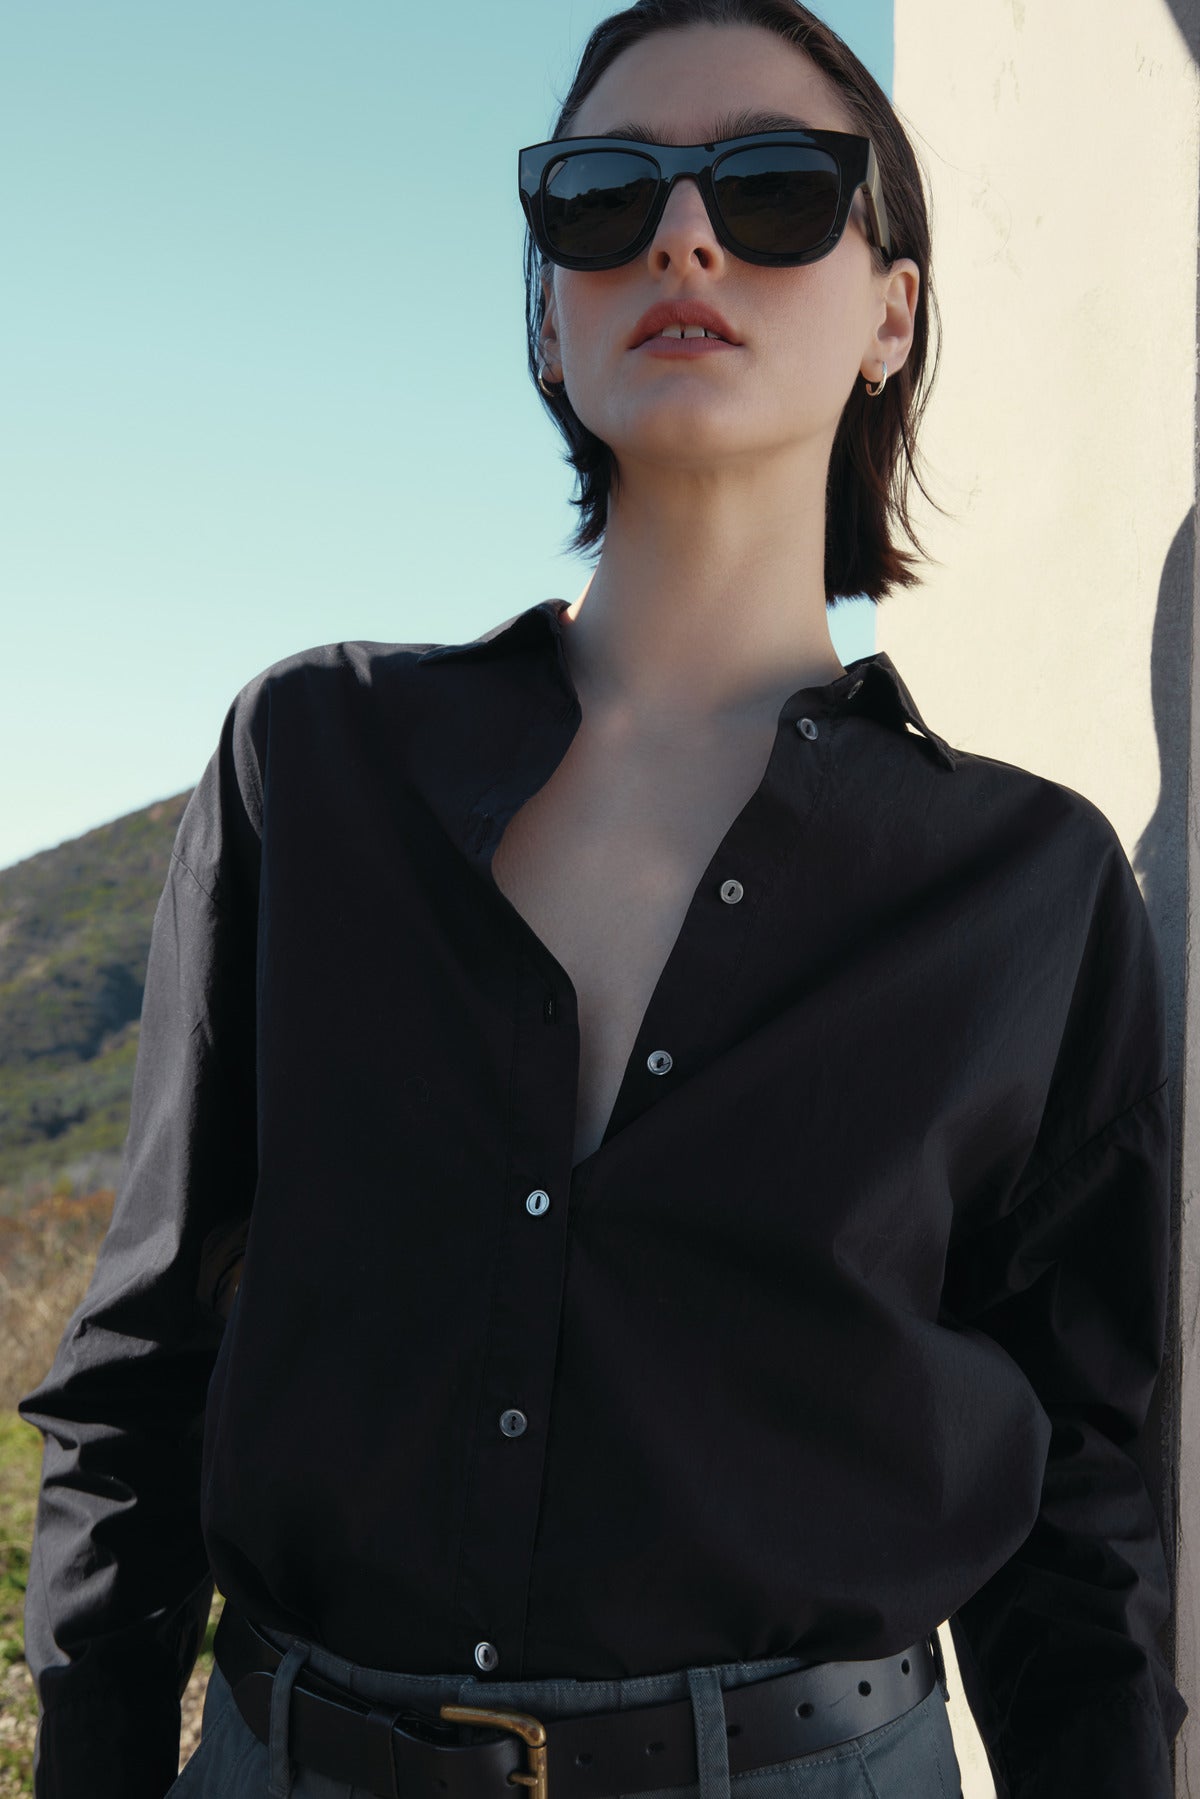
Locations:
column 712, row 1741
column 279, row 1784
column 939, row 1662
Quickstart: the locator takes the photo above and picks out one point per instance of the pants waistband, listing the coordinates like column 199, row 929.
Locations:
column 561, row 1696
column 384, row 1732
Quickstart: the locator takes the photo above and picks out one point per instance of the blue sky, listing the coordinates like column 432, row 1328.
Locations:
column 253, row 395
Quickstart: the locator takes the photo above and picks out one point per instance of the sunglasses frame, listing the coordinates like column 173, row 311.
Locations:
column 855, row 158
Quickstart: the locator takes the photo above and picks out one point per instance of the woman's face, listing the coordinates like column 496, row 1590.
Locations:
column 806, row 333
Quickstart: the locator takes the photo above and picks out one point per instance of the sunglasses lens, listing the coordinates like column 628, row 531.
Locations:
column 595, row 203
column 780, row 197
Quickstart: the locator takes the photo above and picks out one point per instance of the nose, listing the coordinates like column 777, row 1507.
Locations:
column 685, row 229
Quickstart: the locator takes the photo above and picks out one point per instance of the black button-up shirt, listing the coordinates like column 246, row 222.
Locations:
column 844, row 1329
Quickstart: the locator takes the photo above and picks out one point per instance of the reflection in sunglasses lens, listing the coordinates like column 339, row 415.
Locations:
column 594, row 204
column 778, row 198
column 781, row 198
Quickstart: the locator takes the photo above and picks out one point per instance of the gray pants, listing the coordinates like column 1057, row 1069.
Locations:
column 910, row 1758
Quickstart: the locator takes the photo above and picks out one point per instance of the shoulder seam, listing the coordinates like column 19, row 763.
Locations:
column 1150, row 1093
column 1017, row 1209
column 207, row 892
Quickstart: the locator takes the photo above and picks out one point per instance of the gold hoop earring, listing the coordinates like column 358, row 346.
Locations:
column 544, row 388
column 876, row 391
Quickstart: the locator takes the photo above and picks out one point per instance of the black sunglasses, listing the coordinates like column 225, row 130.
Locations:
column 775, row 197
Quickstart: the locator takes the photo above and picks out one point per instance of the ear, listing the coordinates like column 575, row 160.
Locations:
column 891, row 341
column 548, row 335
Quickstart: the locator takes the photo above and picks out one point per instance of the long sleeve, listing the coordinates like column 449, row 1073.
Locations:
column 119, row 1586
column 1060, row 1650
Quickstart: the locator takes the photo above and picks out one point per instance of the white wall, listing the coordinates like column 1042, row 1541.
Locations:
column 1060, row 144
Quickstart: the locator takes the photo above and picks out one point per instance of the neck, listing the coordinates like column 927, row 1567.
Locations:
column 702, row 609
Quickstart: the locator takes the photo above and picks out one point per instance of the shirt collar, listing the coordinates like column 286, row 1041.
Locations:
column 872, row 682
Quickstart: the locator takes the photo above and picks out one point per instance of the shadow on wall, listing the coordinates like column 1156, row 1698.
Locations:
column 1186, row 14
column 1160, row 855
column 1160, row 860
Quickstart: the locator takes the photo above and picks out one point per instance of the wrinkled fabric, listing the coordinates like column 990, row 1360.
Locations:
column 847, row 1326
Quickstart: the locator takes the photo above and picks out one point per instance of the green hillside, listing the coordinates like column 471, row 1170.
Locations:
column 75, row 927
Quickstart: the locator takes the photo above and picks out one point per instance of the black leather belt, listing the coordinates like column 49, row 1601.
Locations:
column 389, row 1750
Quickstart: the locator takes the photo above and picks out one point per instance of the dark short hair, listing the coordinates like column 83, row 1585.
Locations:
column 873, row 454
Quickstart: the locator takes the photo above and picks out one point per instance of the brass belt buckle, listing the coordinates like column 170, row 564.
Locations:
column 525, row 1725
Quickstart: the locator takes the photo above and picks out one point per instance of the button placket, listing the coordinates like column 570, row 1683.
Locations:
column 753, row 834
column 710, row 931
column 522, row 1330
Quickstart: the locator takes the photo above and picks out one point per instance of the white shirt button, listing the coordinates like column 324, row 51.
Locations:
column 537, row 1202
column 658, row 1061
column 731, row 892
column 486, row 1655
column 513, row 1423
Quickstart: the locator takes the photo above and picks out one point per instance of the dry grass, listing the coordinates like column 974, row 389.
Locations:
column 46, row 1257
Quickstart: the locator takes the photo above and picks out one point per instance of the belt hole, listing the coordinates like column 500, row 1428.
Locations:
column 904, row 1666
column 806, row 1708
column 655, row 1748
column 584, row 1759
column 733, row 1730
column 864, row 1687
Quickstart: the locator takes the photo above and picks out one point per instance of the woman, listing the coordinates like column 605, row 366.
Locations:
column 700, row 1143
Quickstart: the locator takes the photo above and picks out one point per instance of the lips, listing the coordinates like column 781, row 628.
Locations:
column 680, row 312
